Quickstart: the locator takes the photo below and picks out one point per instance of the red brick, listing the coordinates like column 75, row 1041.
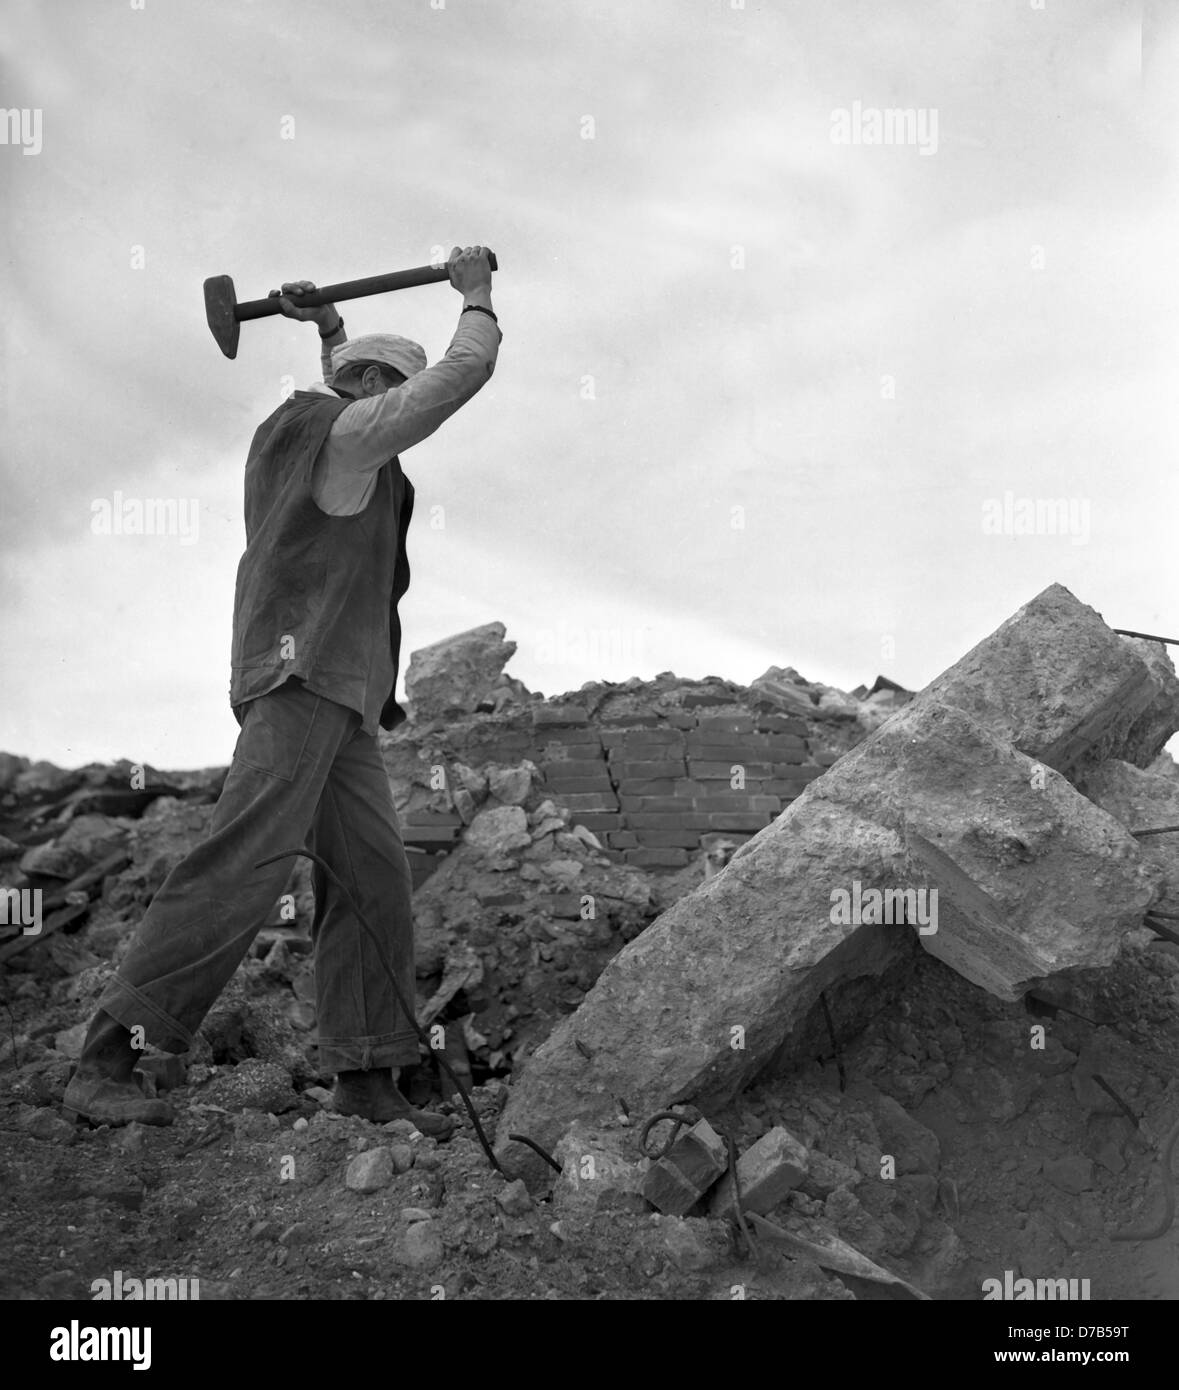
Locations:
column 726, row 723
column 614, row 738
column 669, row 767
column 648, row 786
column 554, row 783
column 666, row 820
column 645, row 736
column 711, row 786
column 597, row 820
column 703, row 746
column 669, row 839
column 652, row 803
column 827, row 758
column 793, row 756
column 622, row 839
column 783, row 724
column 712, row 770
column 682, row 721
column 568, row 743
column 798, row 772
column 588, row 801
column 575, row 767
column 635, row 721
column 657, row 858
column 787, row 741
column 737, row 820
column 738, row 801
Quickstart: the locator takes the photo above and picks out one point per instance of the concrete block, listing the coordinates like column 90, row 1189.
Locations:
column 676, row 1182
column 766, row 1172
column 596, row 1173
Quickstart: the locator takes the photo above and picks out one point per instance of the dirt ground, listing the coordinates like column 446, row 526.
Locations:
column 1013, row 1158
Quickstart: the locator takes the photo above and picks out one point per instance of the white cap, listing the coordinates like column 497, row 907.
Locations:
column 404, row 356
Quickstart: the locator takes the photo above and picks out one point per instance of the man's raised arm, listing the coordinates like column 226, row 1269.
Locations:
column 374, row 428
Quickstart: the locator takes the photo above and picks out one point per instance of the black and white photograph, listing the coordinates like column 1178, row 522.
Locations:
column 590, row 606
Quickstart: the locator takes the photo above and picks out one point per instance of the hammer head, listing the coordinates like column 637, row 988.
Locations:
column 220, row 303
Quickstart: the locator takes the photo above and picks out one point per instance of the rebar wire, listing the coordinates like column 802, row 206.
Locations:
column 834, row 1041
column 1117, row 1100
column 535, row 1147
column 1147, row 636
column 679, row 1120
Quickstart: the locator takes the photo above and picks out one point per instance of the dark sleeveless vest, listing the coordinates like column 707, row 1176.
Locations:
column 317, row 595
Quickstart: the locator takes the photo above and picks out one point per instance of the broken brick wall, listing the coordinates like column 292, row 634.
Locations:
column 658, row 771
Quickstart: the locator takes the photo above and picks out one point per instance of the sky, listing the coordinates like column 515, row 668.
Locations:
column 780, row 383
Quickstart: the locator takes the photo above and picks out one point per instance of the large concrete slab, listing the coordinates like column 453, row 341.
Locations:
column 1059, row 685
column 955, row 793
column 1032, row 878
column 696, row 1004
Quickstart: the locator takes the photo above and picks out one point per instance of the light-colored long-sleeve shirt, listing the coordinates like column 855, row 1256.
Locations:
column 369, row 432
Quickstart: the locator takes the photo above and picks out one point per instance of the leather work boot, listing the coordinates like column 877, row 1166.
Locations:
column 105, row 1088
column 104, row 1101
column 373, row 1096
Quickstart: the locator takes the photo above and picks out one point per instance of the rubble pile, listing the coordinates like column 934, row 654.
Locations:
column 892, row 960
column 964, row 791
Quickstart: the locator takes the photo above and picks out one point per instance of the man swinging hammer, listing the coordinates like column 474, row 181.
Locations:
column 315, row 656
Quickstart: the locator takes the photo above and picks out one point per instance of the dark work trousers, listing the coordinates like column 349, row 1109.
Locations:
column 303, row 774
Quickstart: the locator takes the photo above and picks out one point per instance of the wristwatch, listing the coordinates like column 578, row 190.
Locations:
column 325, row 336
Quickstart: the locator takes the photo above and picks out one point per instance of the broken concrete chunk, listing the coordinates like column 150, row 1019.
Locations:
column 677, row 1181
column 695, row 1005
column 595, row 1173
column 997, row 842
column 694, row 1244
column 420, row 1247
column 511, row 785
column 766, row 1172
column 1060, row 686
column 1142, row 800
column 451, row 677
column 497, row 830
column 513, row 1200
column 85, row 840
column 369, row 1171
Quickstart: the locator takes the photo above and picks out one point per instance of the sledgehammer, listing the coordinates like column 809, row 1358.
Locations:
column 226, row 316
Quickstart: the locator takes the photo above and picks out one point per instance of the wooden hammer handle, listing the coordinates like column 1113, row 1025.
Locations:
column 350, row 289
